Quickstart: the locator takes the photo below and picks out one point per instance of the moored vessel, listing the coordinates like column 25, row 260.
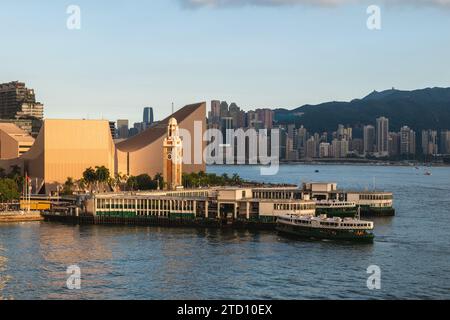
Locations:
column 372, row 203
column 334, row 208
column 322, row 227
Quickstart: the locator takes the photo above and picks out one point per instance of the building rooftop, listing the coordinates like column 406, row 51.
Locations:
column 16, row 133
column 148, row 136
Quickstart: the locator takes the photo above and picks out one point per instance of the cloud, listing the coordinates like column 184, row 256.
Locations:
column 325, row 3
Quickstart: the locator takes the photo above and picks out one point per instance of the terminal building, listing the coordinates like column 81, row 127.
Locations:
column 249, row 204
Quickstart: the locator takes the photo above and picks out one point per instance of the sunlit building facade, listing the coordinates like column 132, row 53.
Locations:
column 65, row 148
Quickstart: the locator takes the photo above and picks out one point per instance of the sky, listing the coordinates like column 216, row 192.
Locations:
column 257, row 53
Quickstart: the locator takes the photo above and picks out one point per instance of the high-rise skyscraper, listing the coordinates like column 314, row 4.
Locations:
column 340, row 148
column 266, row 117
column 252, row 119
column 234, row 112
column 369, row 139
column 394, row 144
column 215, row 112
column 445, row 142
column 122, row 129
column 19, row 102
column 383, row 137
column 429, row 142
column 224, row 109
column 312, row 146
column 148, row 117
column 226, row 126
column 324, row 150
column 356, row 146
column 407, row 141
column 302, row 134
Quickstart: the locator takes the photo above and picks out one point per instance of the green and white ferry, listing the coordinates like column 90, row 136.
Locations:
column 322, row 227
column 372, row 203
column 334, row 208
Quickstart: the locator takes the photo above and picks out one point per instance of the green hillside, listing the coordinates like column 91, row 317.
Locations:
column 419, row 109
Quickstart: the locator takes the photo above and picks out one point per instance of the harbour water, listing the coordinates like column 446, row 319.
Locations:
column 116, row 262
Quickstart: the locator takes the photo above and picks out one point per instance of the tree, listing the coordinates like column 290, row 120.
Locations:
column 15, row 171
column 16, row 175
column 132, row 183
column 201, row 179
column 89, row 177
column 225, row 177
column 68, row 186
column 236, row 179
column 81, row 184
column 120, row 180
column 8, row 190
column 102, row 175
column 159, row 180
column 112, row 183
column 145, row 182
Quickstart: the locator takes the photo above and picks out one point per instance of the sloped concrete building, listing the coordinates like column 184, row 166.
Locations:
column 14, row 142
column 143, row 152
column 65, row 148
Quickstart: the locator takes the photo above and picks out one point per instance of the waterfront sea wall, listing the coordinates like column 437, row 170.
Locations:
column 159, row 221
column 18, row 216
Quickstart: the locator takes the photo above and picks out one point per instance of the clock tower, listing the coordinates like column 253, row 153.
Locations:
column 173, row 157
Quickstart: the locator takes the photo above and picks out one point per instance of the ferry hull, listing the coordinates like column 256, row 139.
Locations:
column 316, row 233
column 377, row 212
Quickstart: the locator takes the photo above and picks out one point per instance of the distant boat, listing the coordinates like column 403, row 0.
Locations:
column 427, row 173
column 317, row 171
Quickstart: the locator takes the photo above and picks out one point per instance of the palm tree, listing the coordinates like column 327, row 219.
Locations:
column 120, row 180
column 68, row 186
column 236, row 179
column 112, row 183
column 90, row 177
column 102, row 175
column 81, row 184
column 132, row 183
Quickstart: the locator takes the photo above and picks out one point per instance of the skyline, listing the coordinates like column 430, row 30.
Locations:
column 295, row 55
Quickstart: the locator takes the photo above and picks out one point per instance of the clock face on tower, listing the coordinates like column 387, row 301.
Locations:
column 169, row 155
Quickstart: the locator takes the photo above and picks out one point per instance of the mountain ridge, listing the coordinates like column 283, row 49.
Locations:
column 420, row 109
